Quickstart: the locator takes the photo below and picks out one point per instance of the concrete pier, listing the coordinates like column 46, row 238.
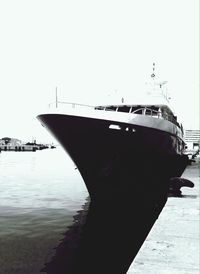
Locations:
column 172, row 246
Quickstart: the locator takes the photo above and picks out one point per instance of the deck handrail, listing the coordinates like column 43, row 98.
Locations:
column 159, row 113
column 71, row 103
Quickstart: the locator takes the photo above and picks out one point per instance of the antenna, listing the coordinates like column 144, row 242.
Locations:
column 56, row 97
column 153, row 74
column 162, row 83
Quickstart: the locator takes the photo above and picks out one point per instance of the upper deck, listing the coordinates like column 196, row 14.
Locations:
column 157, row 111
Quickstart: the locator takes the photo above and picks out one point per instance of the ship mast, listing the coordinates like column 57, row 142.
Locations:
column 159, row 84
column 56, row 97
column 153, row 74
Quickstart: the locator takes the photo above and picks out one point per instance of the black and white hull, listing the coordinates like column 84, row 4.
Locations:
column 111, row 155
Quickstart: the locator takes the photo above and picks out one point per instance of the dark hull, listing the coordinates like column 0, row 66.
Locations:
column 110, row 161
column 127, row 175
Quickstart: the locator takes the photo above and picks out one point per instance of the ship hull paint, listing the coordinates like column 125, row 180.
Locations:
column 110, row 160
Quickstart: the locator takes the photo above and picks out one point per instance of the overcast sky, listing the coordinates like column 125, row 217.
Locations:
column 90, row 49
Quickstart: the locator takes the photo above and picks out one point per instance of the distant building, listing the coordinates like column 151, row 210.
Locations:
column 10, row 141
column 13, row 144
column 192, row 138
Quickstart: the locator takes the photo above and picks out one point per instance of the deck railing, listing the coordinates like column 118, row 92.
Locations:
column 72, row 104
column 142, row 111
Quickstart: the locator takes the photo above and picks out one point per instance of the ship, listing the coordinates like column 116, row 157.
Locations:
column 126, row 153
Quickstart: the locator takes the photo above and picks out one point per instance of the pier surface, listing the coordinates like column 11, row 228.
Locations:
column 172, row 246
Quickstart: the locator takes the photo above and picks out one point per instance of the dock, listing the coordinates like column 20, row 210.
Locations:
column 13, row 144
column 172, row 245
column 18, row 148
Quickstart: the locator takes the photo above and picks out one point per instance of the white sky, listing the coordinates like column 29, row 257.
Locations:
column 89, row 49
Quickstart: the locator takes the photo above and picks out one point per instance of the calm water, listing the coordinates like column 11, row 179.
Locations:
column 39, row 195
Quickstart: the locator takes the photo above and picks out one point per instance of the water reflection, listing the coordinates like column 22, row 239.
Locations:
column 66, row 253
column 105, row 237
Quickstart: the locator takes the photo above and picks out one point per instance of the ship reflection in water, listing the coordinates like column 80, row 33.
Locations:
column 104, row 238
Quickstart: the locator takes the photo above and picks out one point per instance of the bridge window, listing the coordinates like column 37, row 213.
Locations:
column 124, row 109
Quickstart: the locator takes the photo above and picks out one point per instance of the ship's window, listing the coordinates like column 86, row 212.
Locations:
column 111, row 108
column 152, row 111
column 148, row 111
column 168, row 115
column 154, row 108
column 124, row 109
column 155, row 111
column 115, row 127
column 137, row 110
